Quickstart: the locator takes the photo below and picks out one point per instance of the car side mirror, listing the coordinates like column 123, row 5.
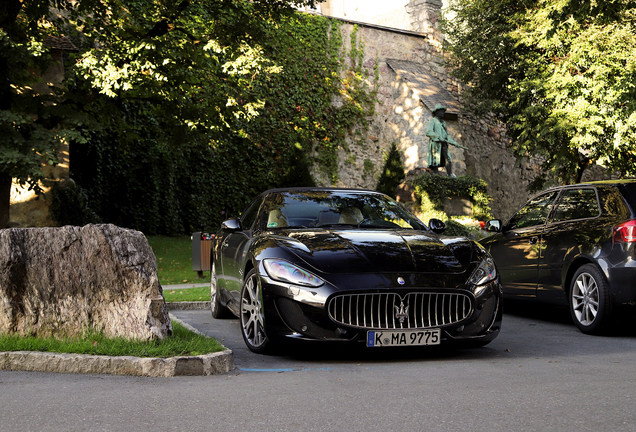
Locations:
column 437, row 226
column 231, row 225
column 493, row 225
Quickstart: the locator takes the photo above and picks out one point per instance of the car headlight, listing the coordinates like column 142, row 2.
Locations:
column 483, row 274
column 284, row 271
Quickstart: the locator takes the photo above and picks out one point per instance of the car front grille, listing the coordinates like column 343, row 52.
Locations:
column 415, row 310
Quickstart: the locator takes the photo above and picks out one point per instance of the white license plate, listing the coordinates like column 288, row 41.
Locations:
column 403, row 338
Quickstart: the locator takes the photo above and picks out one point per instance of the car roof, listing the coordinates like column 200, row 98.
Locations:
column 592, row 183
column 318, row 189
column 608, row 182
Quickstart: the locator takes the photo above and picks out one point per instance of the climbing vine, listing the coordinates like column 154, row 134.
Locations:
column 358, row 96
column 321, row 99
column 295, row 99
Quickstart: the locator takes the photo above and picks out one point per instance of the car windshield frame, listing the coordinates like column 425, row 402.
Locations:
column 334, row 209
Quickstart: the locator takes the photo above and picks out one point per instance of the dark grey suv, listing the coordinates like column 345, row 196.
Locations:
column 572, row 245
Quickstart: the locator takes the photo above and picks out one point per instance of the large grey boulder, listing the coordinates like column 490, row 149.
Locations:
column 63, row 281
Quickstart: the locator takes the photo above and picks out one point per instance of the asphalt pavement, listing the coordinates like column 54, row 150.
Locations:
column 540, row 374
column 546, row 332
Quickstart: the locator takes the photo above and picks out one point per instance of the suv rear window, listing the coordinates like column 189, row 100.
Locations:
column 576, row 204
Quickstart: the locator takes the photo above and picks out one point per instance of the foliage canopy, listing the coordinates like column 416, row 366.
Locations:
column 186, row 109
column 159, row 50
column 560, row 73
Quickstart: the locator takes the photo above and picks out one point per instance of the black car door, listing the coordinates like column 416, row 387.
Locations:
column 234, row 246
column 234, row 249
column 516, row 249
column 572, row 229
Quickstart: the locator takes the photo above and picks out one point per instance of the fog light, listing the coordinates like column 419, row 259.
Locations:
column 304, row 328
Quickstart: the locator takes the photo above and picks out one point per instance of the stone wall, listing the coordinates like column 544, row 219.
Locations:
column 401, row 117
column 63, row 281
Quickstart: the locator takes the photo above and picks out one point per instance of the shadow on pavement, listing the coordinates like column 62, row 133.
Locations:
column 539, row 311
column 622, row 326
column 359, row 352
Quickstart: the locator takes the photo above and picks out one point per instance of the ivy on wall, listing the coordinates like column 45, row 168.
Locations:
column 321, row 99
column 310, row 99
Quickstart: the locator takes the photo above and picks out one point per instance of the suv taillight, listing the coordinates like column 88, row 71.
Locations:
column 625, row 232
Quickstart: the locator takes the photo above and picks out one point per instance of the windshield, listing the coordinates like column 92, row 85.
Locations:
column 315, row 209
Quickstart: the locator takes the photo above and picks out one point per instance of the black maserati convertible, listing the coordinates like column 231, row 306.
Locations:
column 346, row 265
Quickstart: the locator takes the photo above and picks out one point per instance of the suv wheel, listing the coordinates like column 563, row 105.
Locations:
column 590, row 304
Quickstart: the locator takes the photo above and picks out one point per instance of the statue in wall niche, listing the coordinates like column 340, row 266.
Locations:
column 438, row 154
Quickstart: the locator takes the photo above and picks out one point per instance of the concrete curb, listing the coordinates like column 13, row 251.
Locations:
column 185, row 286
column 207, row 364
column 193, row 305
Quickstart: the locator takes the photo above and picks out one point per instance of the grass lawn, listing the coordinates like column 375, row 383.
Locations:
column 190, row 294
column 174, row 260
column 183, row 342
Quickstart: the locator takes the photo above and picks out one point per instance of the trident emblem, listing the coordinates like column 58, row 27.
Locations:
column 401, row 312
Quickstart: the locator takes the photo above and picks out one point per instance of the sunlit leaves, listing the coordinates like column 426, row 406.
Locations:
column 564, row 82
column 177, row 96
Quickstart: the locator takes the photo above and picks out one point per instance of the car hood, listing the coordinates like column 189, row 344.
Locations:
column 378, row 251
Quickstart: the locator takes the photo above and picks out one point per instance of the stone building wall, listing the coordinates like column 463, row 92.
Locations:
column 378, row 45
column 401, row 117
column 398, row 115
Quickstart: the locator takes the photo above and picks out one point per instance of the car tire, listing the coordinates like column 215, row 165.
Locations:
column 589, row 299
column 218, row 310
column 252, row 315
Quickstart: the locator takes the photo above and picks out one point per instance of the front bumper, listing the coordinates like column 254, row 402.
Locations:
column 297, row 313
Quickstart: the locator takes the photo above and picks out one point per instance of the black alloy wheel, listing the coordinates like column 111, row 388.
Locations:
column 590, row 303
column 253, row 315
column 218, row 310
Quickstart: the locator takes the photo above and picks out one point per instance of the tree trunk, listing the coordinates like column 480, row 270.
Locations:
column 5, row 199
column 580, row 169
